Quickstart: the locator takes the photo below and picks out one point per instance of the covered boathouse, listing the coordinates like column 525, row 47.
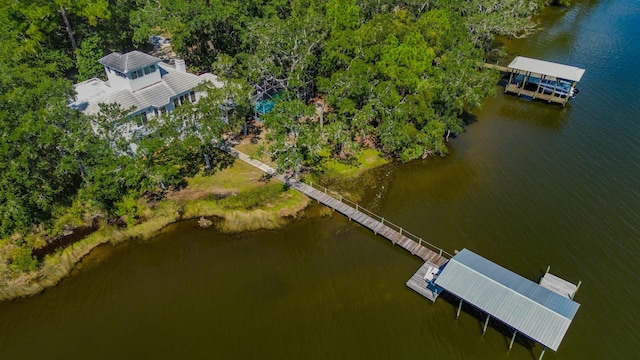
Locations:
column 541, row 312
column 544, row 80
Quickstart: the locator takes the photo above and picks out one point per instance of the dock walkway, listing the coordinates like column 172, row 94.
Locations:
column 357, row 214
column 503, row 69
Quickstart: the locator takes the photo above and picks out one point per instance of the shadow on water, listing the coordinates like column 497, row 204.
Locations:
column 495, row 324
column 540, row 113
column 469, row 118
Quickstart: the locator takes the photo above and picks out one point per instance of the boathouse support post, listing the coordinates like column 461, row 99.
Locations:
column 539, row 84
column 542, row 353
column 400, row 231
column 577, row 287
column 513, row 338
column 510, row 79
column 555, row 86
column 486, row 322
column 548, row 268
column 459, row 308
column 525, row 80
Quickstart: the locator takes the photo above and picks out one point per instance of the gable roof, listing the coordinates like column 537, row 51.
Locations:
column 547, row 68
column 531, row 309
column 130, row 61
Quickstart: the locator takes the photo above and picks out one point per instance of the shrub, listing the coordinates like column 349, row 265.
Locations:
column 23, row 259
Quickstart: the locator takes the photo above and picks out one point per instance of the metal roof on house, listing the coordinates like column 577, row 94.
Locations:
column 173, row 83
column 529, row 308
column 547, row 68
column 130, row 61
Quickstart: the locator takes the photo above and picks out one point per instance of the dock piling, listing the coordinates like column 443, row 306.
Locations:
column 486, row 322
column 542, row 353
column 513, row 338
column 577, row 288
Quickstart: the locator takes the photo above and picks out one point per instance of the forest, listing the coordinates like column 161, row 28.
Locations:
column 343, row 75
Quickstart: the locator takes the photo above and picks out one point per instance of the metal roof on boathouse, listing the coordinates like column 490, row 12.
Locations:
column 525, row 64
column 532, row 310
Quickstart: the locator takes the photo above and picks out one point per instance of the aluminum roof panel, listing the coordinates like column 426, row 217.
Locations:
column 547, row 68
column 537, row 312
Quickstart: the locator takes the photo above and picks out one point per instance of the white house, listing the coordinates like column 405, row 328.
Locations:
column 141, row 81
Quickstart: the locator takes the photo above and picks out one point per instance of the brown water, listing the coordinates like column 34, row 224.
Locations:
column 528, row 185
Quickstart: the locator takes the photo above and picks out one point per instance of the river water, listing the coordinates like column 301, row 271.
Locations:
column 527, row 185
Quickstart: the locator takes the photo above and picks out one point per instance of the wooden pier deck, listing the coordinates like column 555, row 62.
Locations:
column 418, row 284
column 357, row 214
column 559, row 285
column 513, row 88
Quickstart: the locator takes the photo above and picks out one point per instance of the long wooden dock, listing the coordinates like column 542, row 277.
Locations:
column 356, row 214
column 369, row 222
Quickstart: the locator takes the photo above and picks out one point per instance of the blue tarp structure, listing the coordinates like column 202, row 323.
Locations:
column 264, row 106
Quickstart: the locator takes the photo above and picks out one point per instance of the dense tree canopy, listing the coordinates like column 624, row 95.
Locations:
column 343, row 74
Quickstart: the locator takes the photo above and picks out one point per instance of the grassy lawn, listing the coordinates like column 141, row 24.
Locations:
column 368, row 159
column 240, row 177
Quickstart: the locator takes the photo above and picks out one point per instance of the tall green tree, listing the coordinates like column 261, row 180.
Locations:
column 293, row 136
column 285, row 55
column 37, row 20
column 486, row 18
column 87, row 56
column 38, row 133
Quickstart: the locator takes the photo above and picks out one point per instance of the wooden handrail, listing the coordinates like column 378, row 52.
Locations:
column 384, row 221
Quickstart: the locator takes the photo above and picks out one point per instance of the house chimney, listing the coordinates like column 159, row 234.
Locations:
column 180, row 65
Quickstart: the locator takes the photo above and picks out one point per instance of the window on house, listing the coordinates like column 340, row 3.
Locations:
column 134, row 75
column 140, row 73
column 163, row 110
column 153, row 68
column 147, row 70
column 120, row 74
column 108, row 69
column 176, row 102
column 192, row 95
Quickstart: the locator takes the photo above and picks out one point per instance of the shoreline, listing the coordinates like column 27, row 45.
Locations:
column 270, row 214
column 57, row 267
